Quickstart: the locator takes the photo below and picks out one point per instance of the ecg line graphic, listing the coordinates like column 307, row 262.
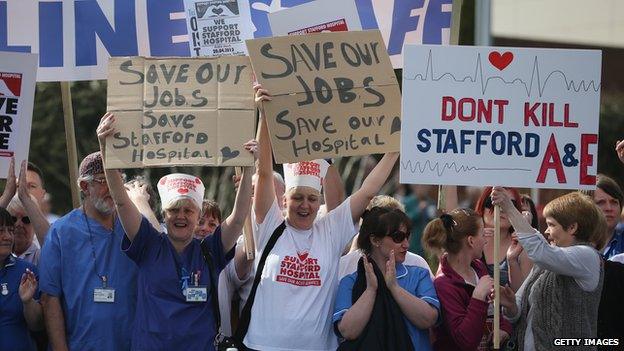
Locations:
column 535, row 75
column 441, row 168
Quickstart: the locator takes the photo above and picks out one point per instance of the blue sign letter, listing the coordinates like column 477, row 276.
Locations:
column 90, row 21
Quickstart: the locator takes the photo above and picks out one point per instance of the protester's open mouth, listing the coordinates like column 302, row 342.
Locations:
column 180, row 225
column 303, row 213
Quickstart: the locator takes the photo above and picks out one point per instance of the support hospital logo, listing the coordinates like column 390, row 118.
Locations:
column 299, row 270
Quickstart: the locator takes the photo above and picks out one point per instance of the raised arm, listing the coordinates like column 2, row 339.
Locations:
column 372, row 184
column 129, row 215
column 333, row 189
column 232, row 227
column 37, row 218
column 10, row 186
column 264, row 192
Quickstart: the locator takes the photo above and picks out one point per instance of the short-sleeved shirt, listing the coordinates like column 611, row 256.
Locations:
column 74, row 257
column 293, row 304
column 415, row 280
column 14, row 333
column 164, row 320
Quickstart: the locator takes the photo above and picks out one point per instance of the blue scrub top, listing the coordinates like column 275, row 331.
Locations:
column 165, row 321
column 416, row 280
column 14, row 333
column 69, row 271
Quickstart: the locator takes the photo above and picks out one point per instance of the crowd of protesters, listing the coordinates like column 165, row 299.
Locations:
column 330, row 271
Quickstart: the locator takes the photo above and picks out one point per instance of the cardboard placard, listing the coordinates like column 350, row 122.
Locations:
column 18, row 74
column 334, row 94
column 218, row 27
column 180, row 111
column 500, row 116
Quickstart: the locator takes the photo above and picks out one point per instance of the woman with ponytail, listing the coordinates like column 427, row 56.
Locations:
column 463, row 285
column 385, row 305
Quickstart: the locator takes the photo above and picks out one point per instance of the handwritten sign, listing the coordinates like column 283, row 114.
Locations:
column 18, row 73
column 189, row 111
column 500, row 116
column 218, row 27
column 334, row 94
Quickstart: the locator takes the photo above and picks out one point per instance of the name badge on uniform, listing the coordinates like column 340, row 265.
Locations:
column 104, row 295
column 196, row 294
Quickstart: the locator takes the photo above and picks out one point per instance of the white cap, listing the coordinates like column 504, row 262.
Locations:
column 177, row 186
column 305, row 173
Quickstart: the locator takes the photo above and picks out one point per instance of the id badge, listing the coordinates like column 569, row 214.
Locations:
column 196, row 294
column 104, row 295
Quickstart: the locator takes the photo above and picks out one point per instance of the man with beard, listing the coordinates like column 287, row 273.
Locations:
column 88, row 285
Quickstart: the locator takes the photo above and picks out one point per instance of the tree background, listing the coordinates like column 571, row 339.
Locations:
column 48, row 147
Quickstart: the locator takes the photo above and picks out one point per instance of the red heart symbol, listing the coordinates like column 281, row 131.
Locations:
column 163, row 180
column 500, row 61
column 183, row 190
column 302, row 256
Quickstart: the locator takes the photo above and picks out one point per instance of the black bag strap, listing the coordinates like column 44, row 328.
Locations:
column 245, row 318
column 213, row 284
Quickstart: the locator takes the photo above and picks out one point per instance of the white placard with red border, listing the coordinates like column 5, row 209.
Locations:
column 316, row 17
column 500, row 116
column 18, row 74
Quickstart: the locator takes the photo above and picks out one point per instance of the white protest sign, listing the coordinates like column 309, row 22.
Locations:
column 500, row 116
column 314, row 17
column 75, row 39
column 218, row 27
column 18, row 74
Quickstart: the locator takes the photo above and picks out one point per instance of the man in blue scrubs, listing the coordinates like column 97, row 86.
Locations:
column 88, row 283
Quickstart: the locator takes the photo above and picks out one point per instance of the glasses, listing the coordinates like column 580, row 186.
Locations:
column 8, row 230
column 99, row 180
column 399, row 236
column 488, row 203
column 24, row 219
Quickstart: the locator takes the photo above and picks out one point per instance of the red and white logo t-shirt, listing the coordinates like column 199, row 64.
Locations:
column 293, row 305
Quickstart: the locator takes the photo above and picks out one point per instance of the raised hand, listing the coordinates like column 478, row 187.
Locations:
column 390, row 273
column 252, row 147
column 105, row 128
column 10, row 186
column 261, row 95
column 501, row 198
column 371, row 278
column 619, row 148
column 515, row 249
column 28, row 286
column 484, row 288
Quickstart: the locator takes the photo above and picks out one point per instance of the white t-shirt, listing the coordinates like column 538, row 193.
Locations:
column 348, row 263
column 293, row 305
column 618, row 258
column 230, row 284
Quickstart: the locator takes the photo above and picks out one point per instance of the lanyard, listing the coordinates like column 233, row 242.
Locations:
column 107, row 248
column 185, row 277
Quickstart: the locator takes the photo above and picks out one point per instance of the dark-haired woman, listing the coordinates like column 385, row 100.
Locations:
column 19, row 312
column 463, row 284
column 385, row 305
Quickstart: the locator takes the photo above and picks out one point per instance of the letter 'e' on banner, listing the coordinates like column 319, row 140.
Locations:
column 334, row 94
column 180, row 111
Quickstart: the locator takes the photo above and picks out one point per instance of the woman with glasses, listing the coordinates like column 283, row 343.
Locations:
column 385, row 304
column 462, row 284
column 515, row 264
column 19, row 309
